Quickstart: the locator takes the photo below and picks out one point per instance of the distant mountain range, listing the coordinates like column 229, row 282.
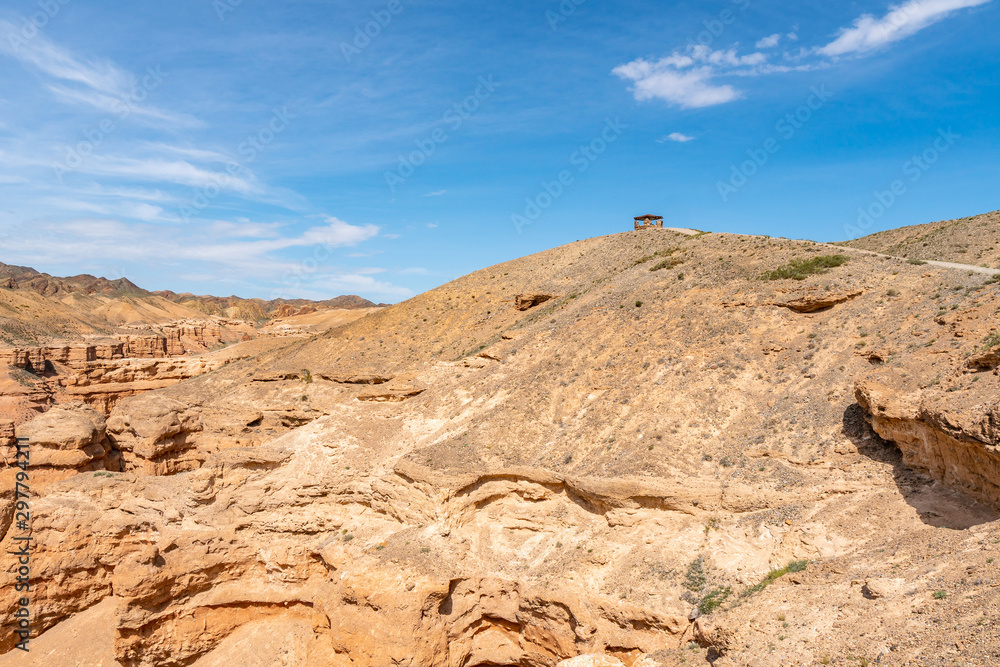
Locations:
column 36, row 307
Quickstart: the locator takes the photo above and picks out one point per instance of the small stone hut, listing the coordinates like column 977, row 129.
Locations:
column 649, row 222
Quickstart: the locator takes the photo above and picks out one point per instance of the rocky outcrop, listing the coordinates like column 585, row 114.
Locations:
column 813, row 300
column 173, row 340
column 68, row 439
column 98, row 376
column 985, row 360
column 63, row 442
column 958, row 445
column 42, row 360
column 530, row 300
column 155, row 438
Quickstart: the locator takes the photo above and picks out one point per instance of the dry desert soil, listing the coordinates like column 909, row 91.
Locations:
column 652, row 448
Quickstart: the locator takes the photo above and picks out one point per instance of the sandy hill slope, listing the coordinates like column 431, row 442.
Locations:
column 36, row 308
column 973, row 240
column 660, row 448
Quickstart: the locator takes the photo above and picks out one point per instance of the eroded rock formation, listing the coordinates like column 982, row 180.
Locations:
column 646, row 476
column 953, row 442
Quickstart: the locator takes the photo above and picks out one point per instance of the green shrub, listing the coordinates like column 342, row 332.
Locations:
column 800, row 269
column 774, row 575
column 917, row 262
column 713, row 600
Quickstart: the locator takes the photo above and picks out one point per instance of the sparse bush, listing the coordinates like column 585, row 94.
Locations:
column 666, row 252
column 306, row 376
column 800, row 269
column 940, row 595
column 713, row 600
column 695, row 577
column 774, row 575
column 917, row 262
column 667, row 264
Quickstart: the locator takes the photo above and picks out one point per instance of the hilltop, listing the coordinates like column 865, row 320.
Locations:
column 971, row 240
column 661, row 448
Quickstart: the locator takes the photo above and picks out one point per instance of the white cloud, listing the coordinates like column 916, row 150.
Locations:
column 436, row 194
column 661, row 80
column 256, row 252
column 869, row 33
column 337, row 233
column 676, row 136
column 769, row 42
column 686, row 79
column 693, row 78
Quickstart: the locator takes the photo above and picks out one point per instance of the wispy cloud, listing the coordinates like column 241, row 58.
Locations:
column 95, row 74
column 695, row 77
column 869, row 33
column 437, row 193
column 161, row 170
column 675, row 136
column 93, row 82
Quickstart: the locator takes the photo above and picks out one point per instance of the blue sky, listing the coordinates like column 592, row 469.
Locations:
column 276, row 149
